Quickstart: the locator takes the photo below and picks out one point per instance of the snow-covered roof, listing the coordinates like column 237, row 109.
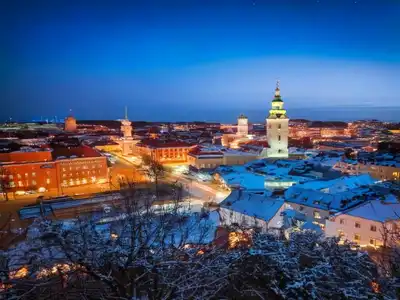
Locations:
column 325, row 201
column 340, row 184
column 377, row 210
column 256, row 204
column 244, row 179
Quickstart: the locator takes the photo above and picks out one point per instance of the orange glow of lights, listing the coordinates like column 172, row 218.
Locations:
column 200, row 252
column 375, row 286
column 21, row 273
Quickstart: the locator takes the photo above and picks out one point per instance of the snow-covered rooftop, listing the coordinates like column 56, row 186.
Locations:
column 340, row 184
column 256, row 204
column 377, row 210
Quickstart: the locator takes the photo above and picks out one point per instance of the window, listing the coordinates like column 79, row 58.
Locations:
column 317, row 215
column 11, row 184
column 279, row 126
column 33, row 182
column 33, row 174
column 19, row 176
column 26, row 174
column 20, row 183
column 357, row 225
column 48, row 180
column 373, row 228
column 301, row 208
column 10, row 177
column 372, row 242
column 342, row 222
column 357, row 237
column 279, row 138
column 340, row 233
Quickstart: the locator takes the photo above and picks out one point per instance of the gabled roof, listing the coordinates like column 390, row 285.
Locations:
column 377, row 210
column 257, row 204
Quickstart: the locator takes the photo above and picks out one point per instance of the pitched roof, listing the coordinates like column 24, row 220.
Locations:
column 377, row 210
column 253, row 203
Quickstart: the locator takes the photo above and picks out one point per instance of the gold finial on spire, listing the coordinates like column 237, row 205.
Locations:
column 126, row 112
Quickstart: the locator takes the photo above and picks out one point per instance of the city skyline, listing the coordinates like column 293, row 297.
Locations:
column 204, row 62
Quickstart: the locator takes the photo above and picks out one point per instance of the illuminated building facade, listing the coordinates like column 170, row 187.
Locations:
column 127, row 140
column 277, row 128
column 164, row 151
column 243, row 126
column 70, row 124
column 40, row 171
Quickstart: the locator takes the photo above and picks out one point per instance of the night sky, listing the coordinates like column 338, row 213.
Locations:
column 199, row 60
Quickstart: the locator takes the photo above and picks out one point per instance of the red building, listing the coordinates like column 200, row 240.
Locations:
column 53, row 171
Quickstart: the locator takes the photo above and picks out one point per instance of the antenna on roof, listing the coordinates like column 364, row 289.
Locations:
column 126, row 112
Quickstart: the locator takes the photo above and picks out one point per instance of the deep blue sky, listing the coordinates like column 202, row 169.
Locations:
column 204, row 60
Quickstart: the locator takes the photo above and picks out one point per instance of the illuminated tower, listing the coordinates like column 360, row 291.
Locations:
column 277, row 128
column 70, row 123
column 126, row 126
column 126, row 129
column 243, row 126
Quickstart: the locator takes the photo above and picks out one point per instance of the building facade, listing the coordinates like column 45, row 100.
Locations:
column 277, row 128
column 380, row 172
column 164, row 151
column 204, row 159
column 38, row 172
column 243, row 126
column 70, row 124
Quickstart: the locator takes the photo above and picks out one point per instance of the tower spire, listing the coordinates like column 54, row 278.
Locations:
column 126, row 112
column 277, row 90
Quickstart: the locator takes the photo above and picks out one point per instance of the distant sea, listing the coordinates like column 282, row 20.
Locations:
column 347, row 114
column 229, row 115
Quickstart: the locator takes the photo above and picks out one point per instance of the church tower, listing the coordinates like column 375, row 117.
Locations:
column 126, row 126
column 277, row 128
column 243, row 126
column 126, row 129
column 70, row 123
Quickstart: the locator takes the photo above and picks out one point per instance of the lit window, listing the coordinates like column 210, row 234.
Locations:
column 48, row 180
column 372, row 242
column 33, row 182
column 33, row 174
column 64, row 175
column 357, row 225
column 26, row 174
column 20, row 183
column 10, row 177
column 357, row 237
column 342, row 222
column 340, row 233
column 317, row 215
column 11, row 184
column 19, row 176
column 373, row 228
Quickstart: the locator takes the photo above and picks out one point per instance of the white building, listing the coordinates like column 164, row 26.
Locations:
column 317, row 200
column 369, row 224
column 243, row 126
column 250, row 209
column 277, row 128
